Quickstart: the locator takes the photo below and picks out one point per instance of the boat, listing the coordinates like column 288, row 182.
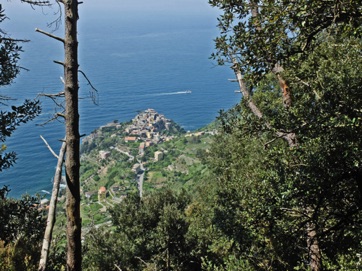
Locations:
column 188, row 91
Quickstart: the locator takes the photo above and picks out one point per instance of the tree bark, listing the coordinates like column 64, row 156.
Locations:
column 52, row 210
column 313, row 248
column 289, row 137
column 74, row 249
column 244, row 91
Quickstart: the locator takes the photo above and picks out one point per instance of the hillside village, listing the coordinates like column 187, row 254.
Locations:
column 146, row 129
column 139, row 156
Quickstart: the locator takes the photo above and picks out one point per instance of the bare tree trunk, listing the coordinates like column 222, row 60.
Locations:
column 313, row 248
column 52, row 210
column 72, row 164
column 244, row 91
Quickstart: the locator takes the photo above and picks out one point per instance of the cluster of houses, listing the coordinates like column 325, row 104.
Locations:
column 146, row 129
column 148, row 124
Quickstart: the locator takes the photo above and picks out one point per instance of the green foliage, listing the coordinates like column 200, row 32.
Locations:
column 19, row 217
column 148, row 233
column 174, row 129
column 9, row 56
column 21, row 231
column 194, row 139
column 249, row 203
column 260, row 34
column 272, row 195
column 268, row 192
column 9, row 120
column 57, row 255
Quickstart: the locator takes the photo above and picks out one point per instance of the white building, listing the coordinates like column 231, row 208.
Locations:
column 158, row 155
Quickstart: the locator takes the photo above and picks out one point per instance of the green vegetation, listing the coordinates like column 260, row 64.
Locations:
column 277, row 187
column 21, row 230
column 181, row 166
column 157, row 223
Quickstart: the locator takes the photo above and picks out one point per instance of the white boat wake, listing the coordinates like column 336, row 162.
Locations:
column 172, row 93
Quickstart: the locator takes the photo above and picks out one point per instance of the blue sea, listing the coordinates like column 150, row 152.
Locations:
column 136, row 60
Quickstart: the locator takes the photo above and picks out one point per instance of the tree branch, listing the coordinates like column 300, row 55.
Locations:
column 50, row 148
column 14, row 40
column 95, row 91
column 243, row 89
column 58, row 62
column 49, row 35
column 54, row 97
column 308, row 85
column 55, row 117
column 37, row 3
column 59, row 94
column 290, row 137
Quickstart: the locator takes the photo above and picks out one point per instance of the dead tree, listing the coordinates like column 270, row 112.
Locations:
column 52, row 209
column 72, row 162
column 71, row 116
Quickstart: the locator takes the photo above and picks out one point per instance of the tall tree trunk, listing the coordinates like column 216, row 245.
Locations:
column 313, row 248
column 72, row 164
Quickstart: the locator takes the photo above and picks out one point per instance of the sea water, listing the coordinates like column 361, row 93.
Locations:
column 135, row 61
